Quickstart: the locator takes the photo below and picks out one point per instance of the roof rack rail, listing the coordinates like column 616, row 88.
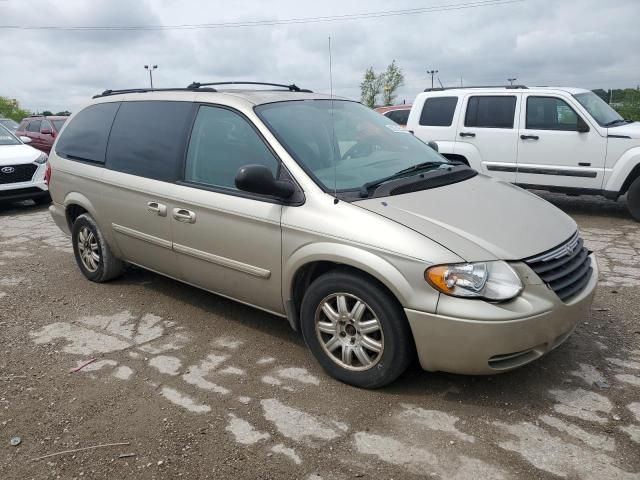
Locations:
column 508, row 87
column 108, row 93
column 292, row 87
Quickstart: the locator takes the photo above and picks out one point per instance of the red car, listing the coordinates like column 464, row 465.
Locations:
column 397, row 113
column 41, row 130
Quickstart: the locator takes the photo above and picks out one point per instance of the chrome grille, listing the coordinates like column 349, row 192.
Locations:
column 565, row 269
column 17, row 173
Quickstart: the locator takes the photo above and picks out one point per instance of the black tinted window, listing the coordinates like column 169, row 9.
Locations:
column 398, row 116
column 85, row 138
column 34, row 126
column 221, row 143
column 490, row 112
column 148, row 139
column 550, row 113
column 438, row 111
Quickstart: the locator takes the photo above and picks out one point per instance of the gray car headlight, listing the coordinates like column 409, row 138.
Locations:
column 489, row 280
column 42, row 159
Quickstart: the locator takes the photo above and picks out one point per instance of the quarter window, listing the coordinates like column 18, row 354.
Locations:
column 490, row 112
column 438, row 111
column 148, row 139
column 550, row 113
column 221, row 143
column 34, row 126
column 85, row 138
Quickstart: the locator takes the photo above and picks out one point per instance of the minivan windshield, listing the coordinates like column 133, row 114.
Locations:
column 344, row 144
column 8, row 138
column 599, row 109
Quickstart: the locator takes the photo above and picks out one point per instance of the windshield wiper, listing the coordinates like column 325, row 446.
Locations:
column 613, row 122
column 364, row 189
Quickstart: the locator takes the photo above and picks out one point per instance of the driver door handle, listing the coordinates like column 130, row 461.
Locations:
column 467, row 134
column 529, row 137
column 185, row 216
column 157, row 209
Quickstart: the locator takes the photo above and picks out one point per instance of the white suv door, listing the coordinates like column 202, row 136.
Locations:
column 488, row 127
column 556, row 145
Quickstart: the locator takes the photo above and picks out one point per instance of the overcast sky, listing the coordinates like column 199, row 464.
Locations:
column 586, row 43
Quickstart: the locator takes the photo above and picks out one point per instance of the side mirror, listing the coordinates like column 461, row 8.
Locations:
column 433, row 145
column 46, row 131
column 25, row 140
column 582, row 125
column 259, row 179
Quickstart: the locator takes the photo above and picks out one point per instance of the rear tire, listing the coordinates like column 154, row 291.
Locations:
column 633, row 199
column 356, row 330
column 92, row 252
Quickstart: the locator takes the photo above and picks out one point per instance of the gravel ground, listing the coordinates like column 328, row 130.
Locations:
column 201, row 387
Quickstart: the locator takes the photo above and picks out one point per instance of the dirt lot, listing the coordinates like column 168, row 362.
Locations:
column 201, row 387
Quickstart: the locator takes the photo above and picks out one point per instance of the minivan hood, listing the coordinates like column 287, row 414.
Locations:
column 629, row 130
column 479, row 219
column 17, row 154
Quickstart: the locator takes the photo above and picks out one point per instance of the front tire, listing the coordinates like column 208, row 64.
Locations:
column 633, row 199
column 356, row 330
column 93, row 255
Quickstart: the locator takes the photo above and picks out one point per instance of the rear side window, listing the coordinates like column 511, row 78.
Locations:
column 221, row 143
column 85, row 138
column 34, row 126
column 398, row 116
column 550, row 113
column 438, row 111
column 490, row 112
column 148, row 139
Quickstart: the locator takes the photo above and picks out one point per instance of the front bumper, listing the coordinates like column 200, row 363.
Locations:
column 34, row 188
column 484, row 338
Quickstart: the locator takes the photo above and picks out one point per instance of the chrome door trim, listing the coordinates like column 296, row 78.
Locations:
column 160, row 242
column 222, row 261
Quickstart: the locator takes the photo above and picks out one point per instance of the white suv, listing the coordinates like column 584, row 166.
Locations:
column 559, row 139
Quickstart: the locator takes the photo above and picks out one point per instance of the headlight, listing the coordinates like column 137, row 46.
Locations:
column 488, row 280
column 42, row 158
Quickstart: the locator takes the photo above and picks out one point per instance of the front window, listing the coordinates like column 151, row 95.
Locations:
column 7, row 138
column 344, row 144
column 599, row 109
column 57, row 124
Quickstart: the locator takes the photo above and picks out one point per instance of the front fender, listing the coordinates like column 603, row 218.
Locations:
column 621, row 169
column 408, row 291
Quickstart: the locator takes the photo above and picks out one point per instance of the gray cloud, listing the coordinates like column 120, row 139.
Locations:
column 585, row 43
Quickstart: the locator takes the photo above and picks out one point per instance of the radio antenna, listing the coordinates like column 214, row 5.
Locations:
column 333, row 129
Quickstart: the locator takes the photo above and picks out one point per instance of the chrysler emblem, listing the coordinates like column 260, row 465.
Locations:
column 7, row 170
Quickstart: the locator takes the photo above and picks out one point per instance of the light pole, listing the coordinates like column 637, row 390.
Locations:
column 511, row 80
column 151, row 69
column 432, row 73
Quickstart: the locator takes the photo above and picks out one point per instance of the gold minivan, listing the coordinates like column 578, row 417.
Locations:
column 317, row 209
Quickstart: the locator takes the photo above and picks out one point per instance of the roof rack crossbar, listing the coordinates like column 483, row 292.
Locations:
column 508, row 87
column 292, row 87
column 107, row 93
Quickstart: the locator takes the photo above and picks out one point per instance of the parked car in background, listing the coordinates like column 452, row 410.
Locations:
column 310, row 207
column 559, row 139
column 41, row 130
column 397, row 113
column 9, row 124
column 23, row 170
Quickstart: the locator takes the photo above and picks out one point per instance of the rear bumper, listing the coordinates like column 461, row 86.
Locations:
column 59, row 216
column 539, row 323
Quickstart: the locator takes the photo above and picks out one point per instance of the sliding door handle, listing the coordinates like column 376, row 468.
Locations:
column 185, row 216
column 529, row 137
column 467, row 134
column 157, row 209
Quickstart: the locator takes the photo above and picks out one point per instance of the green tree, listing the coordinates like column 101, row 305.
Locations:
column 10, row 108
column 392, row 79
column 370, row 87
column 47, row 113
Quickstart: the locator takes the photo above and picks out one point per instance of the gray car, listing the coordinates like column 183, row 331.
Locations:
column 319, row 210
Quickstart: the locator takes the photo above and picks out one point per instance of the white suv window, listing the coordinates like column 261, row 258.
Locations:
column 438, row 111
column 490, row 111
column 550, row 113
